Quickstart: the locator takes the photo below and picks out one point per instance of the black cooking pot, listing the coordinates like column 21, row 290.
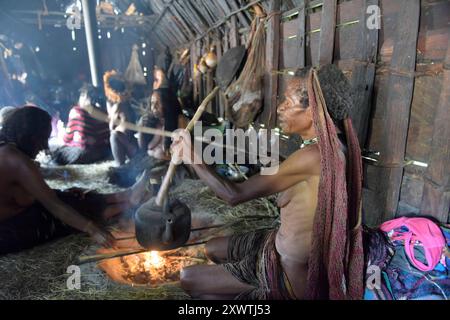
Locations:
column 163, row 228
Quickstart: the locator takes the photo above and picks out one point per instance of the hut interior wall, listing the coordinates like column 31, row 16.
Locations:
column 377, row 63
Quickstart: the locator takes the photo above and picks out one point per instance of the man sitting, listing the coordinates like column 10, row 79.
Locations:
column 316, row 253
column 86, row 139
column 30, row 212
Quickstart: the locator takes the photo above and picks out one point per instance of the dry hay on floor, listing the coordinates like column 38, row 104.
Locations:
column 92, row 177
column 40, row 273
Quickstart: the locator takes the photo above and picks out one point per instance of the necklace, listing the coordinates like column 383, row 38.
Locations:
column 309, row 142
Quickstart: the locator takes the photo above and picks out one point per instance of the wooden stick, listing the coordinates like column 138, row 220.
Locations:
column 128, row 125
column 171, row 171
column 118, row 254
column 104, row 256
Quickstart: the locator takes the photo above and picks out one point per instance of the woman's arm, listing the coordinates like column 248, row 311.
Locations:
column 29, row 178
column 298, row 167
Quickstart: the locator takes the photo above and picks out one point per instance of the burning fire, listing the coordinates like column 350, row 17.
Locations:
column 148, row 268
column 153, row 259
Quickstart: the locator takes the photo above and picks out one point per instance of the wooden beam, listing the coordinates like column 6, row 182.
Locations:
column 397, row 110
column 203, row 12
column 162, row 14
column 234, row 36
column 363, row 74
column 436, row 192
column 272, row 63
column 209, row 80
column 195, row 16
column 194, row 60
column 327, row 32
column 225, row 19
column 241, row 16
column 181, row 19
column 301, row 36
column 188, row 16
column 219, row 111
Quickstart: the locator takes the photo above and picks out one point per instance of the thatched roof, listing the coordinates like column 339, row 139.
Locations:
column 182, row 21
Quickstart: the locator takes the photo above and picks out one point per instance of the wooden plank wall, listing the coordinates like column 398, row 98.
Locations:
column 394, row 113
column 401, row 79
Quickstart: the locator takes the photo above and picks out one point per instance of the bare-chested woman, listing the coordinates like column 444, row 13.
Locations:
column 30, row 212
column 266, row 265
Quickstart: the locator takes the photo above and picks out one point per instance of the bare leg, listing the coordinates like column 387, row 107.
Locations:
column 122, row 147
column 117, row 147
column 217, row 249
column 211, row 281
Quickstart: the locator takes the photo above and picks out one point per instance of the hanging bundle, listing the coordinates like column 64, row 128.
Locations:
column 245, row 95
column 134, row 73
column 211, row 58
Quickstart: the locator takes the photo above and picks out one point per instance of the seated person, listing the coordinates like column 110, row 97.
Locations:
column 86, row 139
column 31, row 213
column 123, row 143
column 164, row 114
column 316, row 253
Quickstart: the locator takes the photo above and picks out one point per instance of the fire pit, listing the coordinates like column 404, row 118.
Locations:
column 150, row 269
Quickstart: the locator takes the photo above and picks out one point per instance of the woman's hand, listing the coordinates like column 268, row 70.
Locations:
column 101, row 236
column 181, row 148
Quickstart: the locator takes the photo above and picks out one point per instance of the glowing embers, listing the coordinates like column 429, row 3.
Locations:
column 153, row 260
column 147, row 269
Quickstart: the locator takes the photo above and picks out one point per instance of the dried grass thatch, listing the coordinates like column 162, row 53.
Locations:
column 41, row 273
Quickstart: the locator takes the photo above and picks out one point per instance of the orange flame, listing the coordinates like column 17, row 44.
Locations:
column 153, row 259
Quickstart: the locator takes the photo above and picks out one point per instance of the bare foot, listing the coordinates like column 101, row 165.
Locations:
column 140, row 191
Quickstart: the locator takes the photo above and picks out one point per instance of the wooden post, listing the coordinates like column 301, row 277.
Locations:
column 301, row 38
column 226, row 42
column 397, row 110
column 436, row 192
column 363, row 75
column 209, row 80
column 194, row 60
column 327, row 31
column 234, row 36
column 90, row 22
column 241, row 16
column 219, row 110
column 272, row 63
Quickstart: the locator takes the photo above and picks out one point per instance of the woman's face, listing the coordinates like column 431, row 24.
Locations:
column 294, row 116
column 84, row 100
column 159, row 78
column 156, row 106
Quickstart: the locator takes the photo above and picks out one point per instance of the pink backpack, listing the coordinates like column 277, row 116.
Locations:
column 419, row 229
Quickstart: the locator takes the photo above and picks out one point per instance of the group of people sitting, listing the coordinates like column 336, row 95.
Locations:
column 320, row 250
column 88, row 139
